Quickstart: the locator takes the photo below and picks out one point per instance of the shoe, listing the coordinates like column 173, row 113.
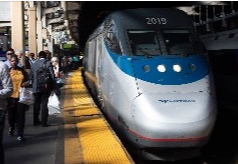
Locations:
column 20, row 138
column 37, row 122
column 45, row 125
column 11, row 132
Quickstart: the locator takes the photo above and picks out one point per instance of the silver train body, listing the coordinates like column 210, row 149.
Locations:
column 151, row 75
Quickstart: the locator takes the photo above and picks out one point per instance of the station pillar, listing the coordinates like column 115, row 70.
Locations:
column 32, row 30
column 39, row 30
column 18, row 31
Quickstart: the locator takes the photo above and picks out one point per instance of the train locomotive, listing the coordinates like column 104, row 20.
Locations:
column 151, row 75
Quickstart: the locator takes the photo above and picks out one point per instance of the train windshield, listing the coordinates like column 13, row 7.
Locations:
column 178, row 41
column 144, row 42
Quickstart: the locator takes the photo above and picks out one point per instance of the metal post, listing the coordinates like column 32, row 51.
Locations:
column 224, row 24
column 214, row 11
column 200, row 14
column 207, row 19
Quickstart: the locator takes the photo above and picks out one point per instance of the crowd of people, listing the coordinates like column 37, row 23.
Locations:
column 21, row 71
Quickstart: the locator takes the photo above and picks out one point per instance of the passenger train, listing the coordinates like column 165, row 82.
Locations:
column 151, row 75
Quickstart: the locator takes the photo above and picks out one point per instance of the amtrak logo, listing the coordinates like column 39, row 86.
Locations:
column 177, row 101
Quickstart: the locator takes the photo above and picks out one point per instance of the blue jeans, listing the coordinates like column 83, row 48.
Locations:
column 2, row 124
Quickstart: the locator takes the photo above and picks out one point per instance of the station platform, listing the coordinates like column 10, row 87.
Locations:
column 78, row 135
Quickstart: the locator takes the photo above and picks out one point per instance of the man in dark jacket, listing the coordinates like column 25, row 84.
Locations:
column 5, row 91
column 41, row 97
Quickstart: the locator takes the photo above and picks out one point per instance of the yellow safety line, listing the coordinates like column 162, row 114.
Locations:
column 97, row 142
column 72, row 150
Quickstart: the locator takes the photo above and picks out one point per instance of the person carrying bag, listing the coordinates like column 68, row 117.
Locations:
column 17, row 110
column 42, row 92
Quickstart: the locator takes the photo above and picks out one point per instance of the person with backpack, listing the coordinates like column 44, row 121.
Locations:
column 43, row 83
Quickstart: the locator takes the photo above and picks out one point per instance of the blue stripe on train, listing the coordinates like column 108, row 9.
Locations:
column 134, row 66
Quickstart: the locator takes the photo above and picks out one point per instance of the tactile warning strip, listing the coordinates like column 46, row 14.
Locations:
column 98, row 142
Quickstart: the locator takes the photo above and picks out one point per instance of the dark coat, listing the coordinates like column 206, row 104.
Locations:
column 35, row 66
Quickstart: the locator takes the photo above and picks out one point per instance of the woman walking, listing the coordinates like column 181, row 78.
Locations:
column 17, row 110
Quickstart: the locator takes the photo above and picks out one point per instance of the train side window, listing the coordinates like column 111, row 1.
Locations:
column 113, row 42
column 115, row 46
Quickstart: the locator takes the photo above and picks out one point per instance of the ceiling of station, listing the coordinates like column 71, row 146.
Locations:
column 85, row 16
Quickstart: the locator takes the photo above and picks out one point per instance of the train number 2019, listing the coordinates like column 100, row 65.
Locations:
column 156, row 20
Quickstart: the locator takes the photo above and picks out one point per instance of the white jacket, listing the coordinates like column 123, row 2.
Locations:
column 5, row 85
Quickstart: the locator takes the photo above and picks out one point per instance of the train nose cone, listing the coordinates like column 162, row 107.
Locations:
column 175, row 107
column 174, row 117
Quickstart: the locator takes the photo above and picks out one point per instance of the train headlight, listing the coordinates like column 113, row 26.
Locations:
column 177, row 68
column 146, row 68
column 161, row 68
column 192, row 67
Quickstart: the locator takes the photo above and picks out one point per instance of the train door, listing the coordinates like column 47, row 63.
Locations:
column 98, row 68
column 91, row 57
column 98, row 61
column 90, row 66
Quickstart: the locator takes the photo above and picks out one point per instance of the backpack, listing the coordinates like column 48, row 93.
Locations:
column 44, row 80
